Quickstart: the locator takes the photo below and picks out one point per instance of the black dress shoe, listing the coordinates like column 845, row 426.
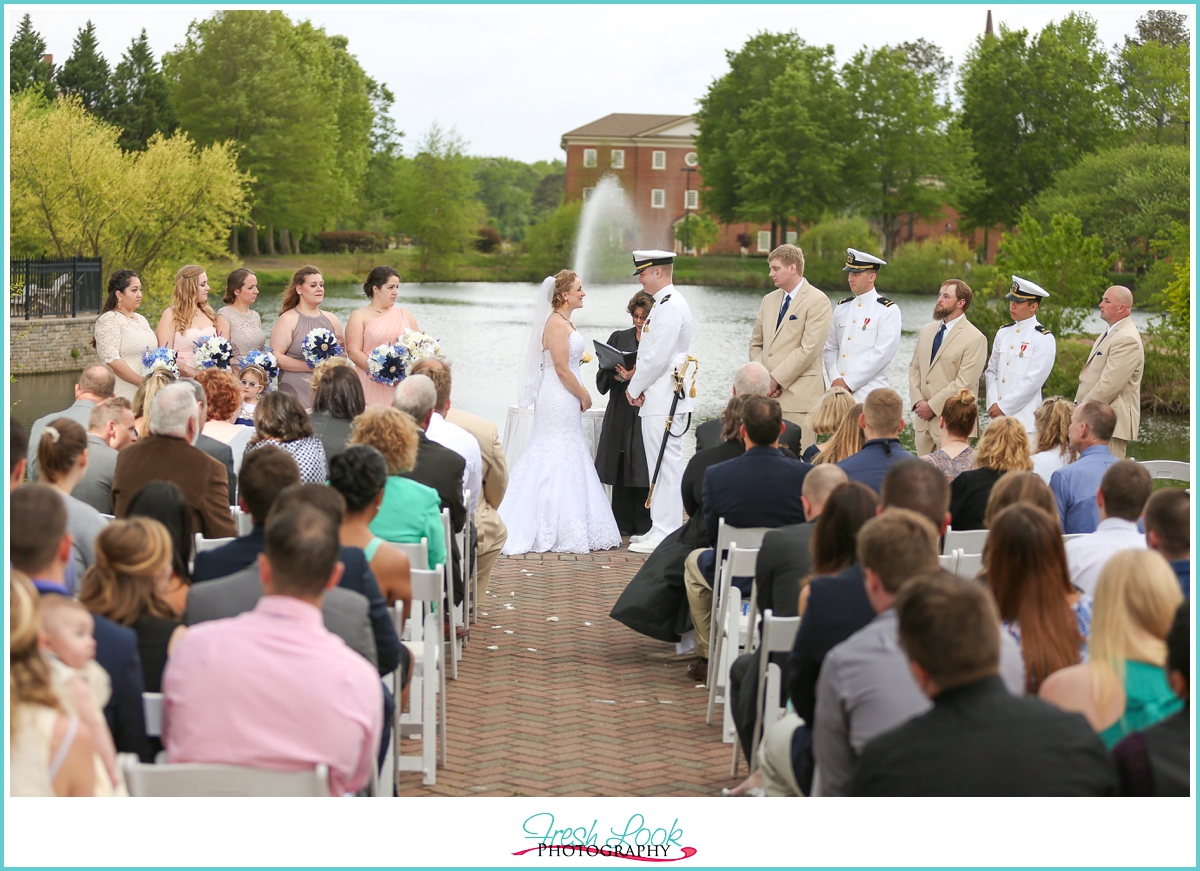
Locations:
column 698, row 671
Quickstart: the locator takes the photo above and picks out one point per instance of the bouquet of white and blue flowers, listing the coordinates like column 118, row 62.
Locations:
column 388, row 364
column 266, row 361
column 161, row 358
column 320, row 344
column 419, row 346
column 213, row 352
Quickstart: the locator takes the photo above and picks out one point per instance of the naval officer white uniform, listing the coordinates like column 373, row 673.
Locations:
column 666, row 336
column 865, row 331
column 1022, row 357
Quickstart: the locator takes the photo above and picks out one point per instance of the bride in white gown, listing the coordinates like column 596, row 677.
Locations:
column 554, row 501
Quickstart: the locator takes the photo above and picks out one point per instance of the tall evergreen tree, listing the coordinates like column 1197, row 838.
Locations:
column 26, row 64
column 142, row 104
column 86, row 73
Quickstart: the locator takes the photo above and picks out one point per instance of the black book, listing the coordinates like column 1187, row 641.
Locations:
column 609, row 357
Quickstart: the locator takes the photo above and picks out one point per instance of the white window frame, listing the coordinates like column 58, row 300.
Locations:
column 587, row 192
column 658, row 160
column 791, row 237
column 764, row 240
column 690, row 159
column 691, row 200
column 589, row 157
column 618, row 158
column 658, row 198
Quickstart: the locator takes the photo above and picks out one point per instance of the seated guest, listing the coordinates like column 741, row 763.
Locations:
column 264, row 475
column 40, row 548
column 143, row 398
column 751, row 379
column 449, row 435
column 847, row 439
column 18, row 444
column 110, row 429
column 168, row 454
column 95, row 384
column 882, row 422
column 62, row 463
column 1052, row 449
column 337, row 400
column 128, row 585
column 835, row 405
column 216, row 449
column 865, row 687
column 760, row 488
column 326, row 702
column 410, row 511
column 1027, row 574
column 1004, row 447
column 960, row 416
column 164, row 501
column 1123, row 492
column 1169, row 531
column 978, row 739
column 1158, row 760
column 1075, row 485
column 1023, row 487
column 1122, row 687
column 280, row 420
column 223, row 399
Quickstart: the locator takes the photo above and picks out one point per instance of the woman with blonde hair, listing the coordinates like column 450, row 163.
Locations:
column 1003, row 448
column 188, row 319
column 830, row 413
column 301, row 315
column 960, row 416
column 410, row 511
column 848, row 439
column 144, row 398
column 129, row 584
column 1053, row 448
column 1123, row 687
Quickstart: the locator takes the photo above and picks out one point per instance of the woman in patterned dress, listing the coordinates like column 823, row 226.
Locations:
column 122, row 335
column 280, row 420
column 238, row 322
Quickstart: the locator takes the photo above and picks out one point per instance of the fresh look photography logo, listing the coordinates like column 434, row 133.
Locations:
column 635, row 839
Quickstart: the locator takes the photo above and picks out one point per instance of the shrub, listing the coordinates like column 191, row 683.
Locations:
column 343, row 241
column 922, row 267
column 550, row 242
column 487, row 239
column 825, row 245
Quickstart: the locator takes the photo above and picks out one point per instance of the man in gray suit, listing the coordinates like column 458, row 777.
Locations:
column 110, row 429
column 95, row 384
column 215, row 449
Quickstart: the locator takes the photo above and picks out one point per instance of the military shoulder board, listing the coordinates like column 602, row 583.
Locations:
column 1009, row 324
column 885, row 301
column 846, row 300
column 1045, row 332
column 665, row 298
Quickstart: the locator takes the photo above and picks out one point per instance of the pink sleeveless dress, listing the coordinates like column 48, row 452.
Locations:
column 384, row 329
column 185, row 344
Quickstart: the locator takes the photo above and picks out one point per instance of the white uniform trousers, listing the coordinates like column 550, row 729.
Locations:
column 666, row 510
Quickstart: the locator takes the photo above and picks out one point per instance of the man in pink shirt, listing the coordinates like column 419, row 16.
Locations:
column 273, row 688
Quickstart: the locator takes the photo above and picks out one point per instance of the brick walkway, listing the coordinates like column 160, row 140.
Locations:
column 585, row 711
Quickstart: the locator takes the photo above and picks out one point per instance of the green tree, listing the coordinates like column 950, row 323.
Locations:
column 76, row 192
column 506, row 189
column 696, row 231
column 436, row 202
column 86, row 74
column 27, row 67
column 549, row 193
column 1153, row 74
column 825, row 243
column 141, row 99
column 1030, row 109
column 550, row 243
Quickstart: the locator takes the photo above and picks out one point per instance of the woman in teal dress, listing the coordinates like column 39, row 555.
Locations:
column 410, row 511
column 1123, row 687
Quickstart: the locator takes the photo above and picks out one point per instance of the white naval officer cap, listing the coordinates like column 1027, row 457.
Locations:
column 861, row 261
column 643, row 260
column 1023, row 290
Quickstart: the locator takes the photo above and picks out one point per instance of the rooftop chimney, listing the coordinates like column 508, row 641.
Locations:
column 987, row 31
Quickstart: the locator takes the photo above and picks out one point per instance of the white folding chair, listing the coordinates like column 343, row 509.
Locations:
column 202, row 780
column 749, row 537
column 242, row 519
column 426, row 716
column 470, row 601
column 738, row 562
column 152, row 707
column 949, row 562
column 451, row 608
column 969, row 565
column 778, row 635
column 970, row 540
column 203, row 544
column 1168, row 470
column 418, row 554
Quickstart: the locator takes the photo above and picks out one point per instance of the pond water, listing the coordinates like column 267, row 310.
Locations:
column 482, row 328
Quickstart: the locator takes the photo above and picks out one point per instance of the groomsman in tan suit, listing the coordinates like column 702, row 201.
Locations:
column 1113, row 371
column 950, row 355
column 789, row 333
column 489, row 528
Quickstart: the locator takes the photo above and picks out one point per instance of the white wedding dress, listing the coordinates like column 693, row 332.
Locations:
column 554, row 501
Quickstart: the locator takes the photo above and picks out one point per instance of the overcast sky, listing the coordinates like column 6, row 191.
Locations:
column 513, row 79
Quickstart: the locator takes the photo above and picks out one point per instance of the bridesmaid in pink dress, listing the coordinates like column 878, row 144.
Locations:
column 380, row 322
column 188, row 318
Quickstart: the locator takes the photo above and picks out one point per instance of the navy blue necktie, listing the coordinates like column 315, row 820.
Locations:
column 937, row 342
column 787, row 300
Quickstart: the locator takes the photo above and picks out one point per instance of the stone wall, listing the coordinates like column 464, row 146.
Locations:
column 51, row 344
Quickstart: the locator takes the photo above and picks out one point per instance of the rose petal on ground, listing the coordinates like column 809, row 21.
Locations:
column 551, row 619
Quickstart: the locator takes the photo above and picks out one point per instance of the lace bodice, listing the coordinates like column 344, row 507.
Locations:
column 245, row 331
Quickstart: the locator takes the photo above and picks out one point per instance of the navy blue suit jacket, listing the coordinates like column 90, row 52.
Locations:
column 357, row 576
column 117, row 653
column 870, row 465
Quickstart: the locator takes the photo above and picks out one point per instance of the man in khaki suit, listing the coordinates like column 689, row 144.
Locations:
column 489, row 528
column 1113, row 371
column 951, row 354
column 789, row 333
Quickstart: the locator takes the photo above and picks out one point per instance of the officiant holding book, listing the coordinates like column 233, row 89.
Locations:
column 620, row 454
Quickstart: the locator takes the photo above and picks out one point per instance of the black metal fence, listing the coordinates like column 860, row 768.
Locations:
column 55, row 288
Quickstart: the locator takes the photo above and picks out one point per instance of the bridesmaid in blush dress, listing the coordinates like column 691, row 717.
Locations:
column 300, row 316
column 188, row 318
column 380, row 322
